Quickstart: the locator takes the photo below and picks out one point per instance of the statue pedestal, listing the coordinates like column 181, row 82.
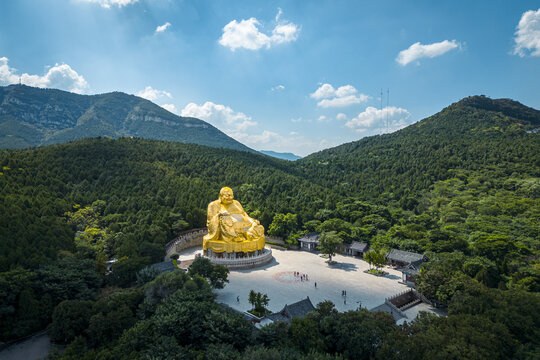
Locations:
column 219, row 246
column 240, row 260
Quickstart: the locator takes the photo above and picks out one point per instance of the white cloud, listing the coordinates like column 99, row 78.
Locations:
column 246, row 34
column 417, row 51
column 279, row 13
column 170, row 107
column 153, row 95
column 59, row 77
column 324, row 91
column 279, row 87
column 528, row 34
column 108, row 3
column 340, row 97
column 343, row 101
column 373, row 118
column 321, row 118
column 221, row 116
column 341, row 117
column 163, row 27
column 266, row 137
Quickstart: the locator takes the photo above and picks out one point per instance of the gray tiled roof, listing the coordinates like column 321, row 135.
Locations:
column 358, row 246
column 404, row 256
column 310, row 238
column 409, row 270
column 387, row 309
column 297, row 310
column 164, row 266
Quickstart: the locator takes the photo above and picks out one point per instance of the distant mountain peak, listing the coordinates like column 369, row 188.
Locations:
column 279, row 155
column 32, row 116
column 507, row 107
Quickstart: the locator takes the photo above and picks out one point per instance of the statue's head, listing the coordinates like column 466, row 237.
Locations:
column 226, row 195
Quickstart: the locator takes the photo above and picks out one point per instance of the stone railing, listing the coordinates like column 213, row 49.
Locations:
column 403, row 298
column 422, row 297
column 185, row 240
column 245, row 263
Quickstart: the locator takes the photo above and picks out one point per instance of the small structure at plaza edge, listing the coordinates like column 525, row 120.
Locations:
column 234, row 239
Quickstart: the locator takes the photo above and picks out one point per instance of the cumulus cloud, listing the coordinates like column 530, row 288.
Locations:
column 221, row 116
column 60, row 76
column 277, row 88
column 341, row 117
column 108, row 3
column 528, row 34
column 153, row 95
column 264, row 138
column 373, row 118
column 163, row 27
column 417, row 51
column 343, row 96
column 322, row 118
column 171, row 108
column 246, row 34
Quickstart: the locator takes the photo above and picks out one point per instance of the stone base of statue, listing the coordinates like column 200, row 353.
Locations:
column 218, row 246
column 240, row 260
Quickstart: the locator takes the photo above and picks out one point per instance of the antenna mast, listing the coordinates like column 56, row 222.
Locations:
column 387, row 102
column 382, row 115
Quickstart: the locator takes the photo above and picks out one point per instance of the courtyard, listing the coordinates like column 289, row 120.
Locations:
column 277, row 280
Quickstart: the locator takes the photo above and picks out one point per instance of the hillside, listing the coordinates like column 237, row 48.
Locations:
column 146, row 185
column 476, row 133
column 461, row 186
column 33, row 117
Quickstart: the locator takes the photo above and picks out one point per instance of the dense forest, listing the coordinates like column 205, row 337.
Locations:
column 462, row 186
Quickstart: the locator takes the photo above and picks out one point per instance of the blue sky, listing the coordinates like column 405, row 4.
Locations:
column 296, row 76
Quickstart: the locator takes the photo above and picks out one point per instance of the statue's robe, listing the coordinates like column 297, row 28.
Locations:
column 235, row 227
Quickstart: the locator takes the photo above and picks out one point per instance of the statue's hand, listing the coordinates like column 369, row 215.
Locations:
column 223, row 213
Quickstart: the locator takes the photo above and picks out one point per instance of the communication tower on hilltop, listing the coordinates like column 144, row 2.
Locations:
column 387, row 103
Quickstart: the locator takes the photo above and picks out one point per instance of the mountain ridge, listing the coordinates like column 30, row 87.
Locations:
column 471, row 134
column 33, row 116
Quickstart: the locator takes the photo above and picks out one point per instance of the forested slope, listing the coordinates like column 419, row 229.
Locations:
column 146, row 186
column 476, row 133
column 462, row 186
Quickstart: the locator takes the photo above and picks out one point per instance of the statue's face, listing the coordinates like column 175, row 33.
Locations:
column 226, row 196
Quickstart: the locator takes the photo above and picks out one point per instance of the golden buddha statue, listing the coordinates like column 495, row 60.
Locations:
column 230, row 229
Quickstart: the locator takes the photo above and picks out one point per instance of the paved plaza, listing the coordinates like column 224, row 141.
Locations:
column 278, row 281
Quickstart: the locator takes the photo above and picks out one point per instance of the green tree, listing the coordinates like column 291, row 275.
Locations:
column 283, row 225
column 329, row 242
column 69, row 320
column 215, row 274
column 259, row 301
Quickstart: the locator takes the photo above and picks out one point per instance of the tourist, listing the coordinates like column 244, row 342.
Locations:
column 238, row 299
column 315, row 284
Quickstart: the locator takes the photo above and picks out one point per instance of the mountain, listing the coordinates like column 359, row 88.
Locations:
column 32, row 117
column 279, row 155
column 462, row 186
column 476, row 133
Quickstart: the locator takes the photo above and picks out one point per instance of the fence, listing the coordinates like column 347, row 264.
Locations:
column 184, row 241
